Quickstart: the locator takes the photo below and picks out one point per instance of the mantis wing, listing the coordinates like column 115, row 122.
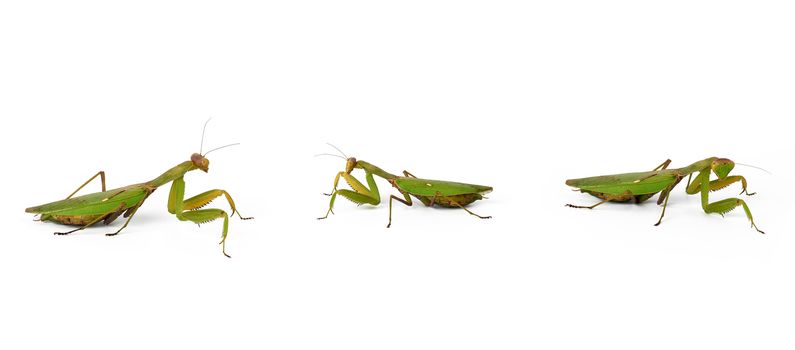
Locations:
column 648, row 182
column 425, row 187
column 94, row 203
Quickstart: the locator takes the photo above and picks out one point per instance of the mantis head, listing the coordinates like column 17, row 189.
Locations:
column 722, row 167
column 350, row 164
column 200, row 162
column 199, row 159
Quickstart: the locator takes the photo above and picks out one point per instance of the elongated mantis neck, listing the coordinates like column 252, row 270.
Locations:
column 375, row 170
column 173, row 174
column 697, row 166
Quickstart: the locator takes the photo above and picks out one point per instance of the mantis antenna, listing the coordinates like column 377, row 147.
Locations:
column 215, row 149
column 201, row 147
column 329, row 154
column 755, row 167
column 338, row 150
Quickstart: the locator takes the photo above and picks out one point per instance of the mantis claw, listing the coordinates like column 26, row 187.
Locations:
column 325, row 217
column 578, row 206
column 223, row 247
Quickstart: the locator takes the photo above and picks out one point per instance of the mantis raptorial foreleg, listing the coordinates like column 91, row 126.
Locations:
column 714, row 185
column 185, row 210
column 723, row 206
column 101, row 174
column 361, row 194
column 205, row 198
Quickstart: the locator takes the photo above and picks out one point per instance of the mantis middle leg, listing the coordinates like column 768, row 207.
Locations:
column 723, row 206
column 662, row 166
column 405, row 200
column 665, row 194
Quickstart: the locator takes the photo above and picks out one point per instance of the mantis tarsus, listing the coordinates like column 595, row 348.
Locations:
column 430, row 192
column 108, row 205
column 638, row 187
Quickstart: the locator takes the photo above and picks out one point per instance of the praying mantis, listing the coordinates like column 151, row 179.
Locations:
column 639, row 187
column 107, row 205
column 446, row 194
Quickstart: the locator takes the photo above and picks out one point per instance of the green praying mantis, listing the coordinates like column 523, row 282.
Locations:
column 639, row 187
column 430, row 192
column 108, row 205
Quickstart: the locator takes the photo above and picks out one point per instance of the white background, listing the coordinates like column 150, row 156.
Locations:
column 516, row 95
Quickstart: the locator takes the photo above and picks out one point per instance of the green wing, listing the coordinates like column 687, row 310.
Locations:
column 94, row 203
column 647, row 182
column 425, row 187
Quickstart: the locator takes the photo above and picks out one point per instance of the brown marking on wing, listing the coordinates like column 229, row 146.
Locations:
column 76, row 220
column 626, row 197
column 447, row 202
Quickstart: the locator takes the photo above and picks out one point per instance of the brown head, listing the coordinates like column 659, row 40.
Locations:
column 350, row 164
column 200, row 162
column 722, row 167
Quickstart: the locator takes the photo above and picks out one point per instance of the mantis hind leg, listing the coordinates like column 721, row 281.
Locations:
column 468, row 211
column 588, row 207
column 101, row 174
column 605, row 198
column 361, row 194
